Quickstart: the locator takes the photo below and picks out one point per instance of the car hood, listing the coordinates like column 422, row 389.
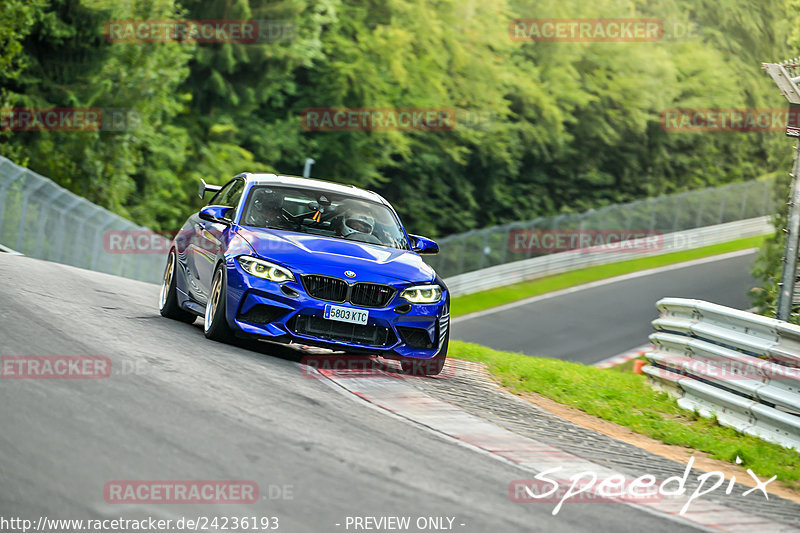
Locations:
column 332, row 256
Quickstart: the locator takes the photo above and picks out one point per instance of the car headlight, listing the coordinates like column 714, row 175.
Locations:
column 264, row 269
column 422, row 294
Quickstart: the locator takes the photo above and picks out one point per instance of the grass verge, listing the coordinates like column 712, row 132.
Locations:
column 470, row 303
column 627, row 400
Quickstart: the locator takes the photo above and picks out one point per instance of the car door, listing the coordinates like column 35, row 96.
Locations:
column 212, row 239
column 195, row 248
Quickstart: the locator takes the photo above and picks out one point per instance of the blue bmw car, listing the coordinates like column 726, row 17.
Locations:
column 290, row 259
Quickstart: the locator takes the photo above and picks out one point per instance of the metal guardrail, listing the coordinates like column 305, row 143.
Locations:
column 548, row 265
column 41, row 219
column 488, row 247
column 742, row 368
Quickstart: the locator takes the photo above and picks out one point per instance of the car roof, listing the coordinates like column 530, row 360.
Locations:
column 320, row 185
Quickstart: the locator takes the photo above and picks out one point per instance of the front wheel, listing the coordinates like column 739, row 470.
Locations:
column 168, row 300
column 215, row 326
column 427, row 367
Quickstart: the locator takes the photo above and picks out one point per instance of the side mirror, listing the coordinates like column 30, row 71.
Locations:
column 423, row 245
column 205, row 187
column 215, row 213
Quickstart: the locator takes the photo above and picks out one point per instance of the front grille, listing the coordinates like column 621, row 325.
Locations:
column 325, row 288
column 337, row 290
column 371, row 294
column 262, row 314
column 415, row 337
column 369, row 335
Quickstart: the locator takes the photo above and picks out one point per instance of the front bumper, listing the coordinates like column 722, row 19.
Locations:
column 286, row 312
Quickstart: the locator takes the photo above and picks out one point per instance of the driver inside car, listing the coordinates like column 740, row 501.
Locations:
column 266, row 210
column 356, row 223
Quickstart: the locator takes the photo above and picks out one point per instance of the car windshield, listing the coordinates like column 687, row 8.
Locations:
column 323, row 213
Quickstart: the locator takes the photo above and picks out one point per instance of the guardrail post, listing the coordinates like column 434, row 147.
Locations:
column 700, row 209
column 721, row 209
column 743, row 206
column 3, row 189
column 98, row 244
column 43, row 219
column 766, row 198
column 24, row 213
column 793, row 234
column 59, row 255
column 81, row 226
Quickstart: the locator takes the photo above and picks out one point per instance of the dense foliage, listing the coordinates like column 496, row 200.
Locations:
column 543, row 127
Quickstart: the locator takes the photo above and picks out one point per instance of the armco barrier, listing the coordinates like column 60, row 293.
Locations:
column 41, row 219
column 740, row 367
column 671, row 213
column 538, row 267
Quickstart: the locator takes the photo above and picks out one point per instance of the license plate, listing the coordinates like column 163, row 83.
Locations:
column 346, row 314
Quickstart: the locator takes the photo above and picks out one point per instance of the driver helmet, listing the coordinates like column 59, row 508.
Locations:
column 357, row 221
column 266, row 201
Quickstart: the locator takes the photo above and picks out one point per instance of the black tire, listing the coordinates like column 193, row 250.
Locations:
column 215, row 325
column 427, row 367
column 168, row 298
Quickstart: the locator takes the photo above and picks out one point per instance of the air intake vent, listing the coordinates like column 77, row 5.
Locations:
column 325, row 288
column 262, row 314
column 367, row 335
column 415, row 337
column 337, row 290
column 371, row 294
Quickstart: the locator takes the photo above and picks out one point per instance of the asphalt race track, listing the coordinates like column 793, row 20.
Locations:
column 179, row 407
column 604, row 320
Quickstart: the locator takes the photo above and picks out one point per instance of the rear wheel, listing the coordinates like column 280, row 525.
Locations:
column 168, row 300
column 215, row 326
column 427, row 367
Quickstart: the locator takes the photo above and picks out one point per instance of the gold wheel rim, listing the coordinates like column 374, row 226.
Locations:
column 167, row 281
column 213, row 301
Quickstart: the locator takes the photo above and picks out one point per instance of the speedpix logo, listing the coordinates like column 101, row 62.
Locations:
column 590, row 487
